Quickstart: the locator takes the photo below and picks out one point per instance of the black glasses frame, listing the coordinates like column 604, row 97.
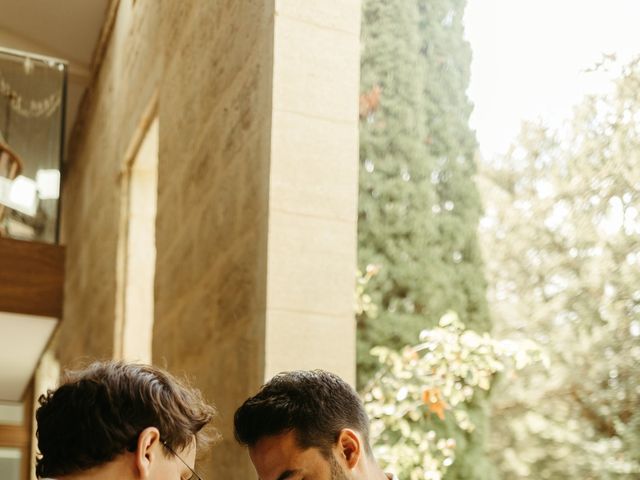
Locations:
column 195, row 474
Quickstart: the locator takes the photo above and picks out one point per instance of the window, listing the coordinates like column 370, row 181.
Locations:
column 138, row 251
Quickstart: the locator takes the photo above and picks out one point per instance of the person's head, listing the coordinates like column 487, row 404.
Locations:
column 308, row 424
column 137, row 417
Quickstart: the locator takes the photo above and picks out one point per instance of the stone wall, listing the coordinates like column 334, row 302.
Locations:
column 92, row 188
column 257, row 188
column 213, row 185
column 314, row 187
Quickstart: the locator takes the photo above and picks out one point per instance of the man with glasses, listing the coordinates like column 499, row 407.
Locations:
column 307, row 425
column 116, row 420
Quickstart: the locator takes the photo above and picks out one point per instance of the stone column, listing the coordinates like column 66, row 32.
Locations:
column 257, row 193
column 313, row 187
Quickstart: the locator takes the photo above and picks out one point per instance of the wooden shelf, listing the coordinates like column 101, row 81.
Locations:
column 31, row 278
column 15, row 436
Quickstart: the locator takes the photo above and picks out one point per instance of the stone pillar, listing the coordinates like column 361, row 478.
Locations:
column 313, row 187
column 257, row 198
column 214, row 106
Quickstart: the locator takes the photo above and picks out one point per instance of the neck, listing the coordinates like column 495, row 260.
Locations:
column 369, row 470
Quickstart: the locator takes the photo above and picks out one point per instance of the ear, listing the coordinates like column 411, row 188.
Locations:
column 350, row 447
column 147, row 450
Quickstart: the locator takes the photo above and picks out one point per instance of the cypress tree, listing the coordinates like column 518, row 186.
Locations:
column 451, row 147
column 395, row 201
column 418, row 204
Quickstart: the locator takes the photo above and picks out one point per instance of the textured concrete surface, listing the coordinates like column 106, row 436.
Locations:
column 256, row 202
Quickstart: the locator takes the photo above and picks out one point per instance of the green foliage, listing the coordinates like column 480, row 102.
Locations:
column 562, row 247
column 419, row 400
column 418, row 205
column 364, row 306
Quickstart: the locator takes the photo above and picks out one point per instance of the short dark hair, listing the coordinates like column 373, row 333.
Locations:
column 316, row 405
column 99, row 412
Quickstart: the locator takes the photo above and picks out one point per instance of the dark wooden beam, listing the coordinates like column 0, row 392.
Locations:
column 31, row 278
column 14, row 436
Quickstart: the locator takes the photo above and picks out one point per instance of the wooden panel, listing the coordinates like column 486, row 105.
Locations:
column 31, row 278
column 13, row 436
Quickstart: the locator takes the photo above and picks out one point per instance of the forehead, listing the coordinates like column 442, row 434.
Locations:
column 277, row 454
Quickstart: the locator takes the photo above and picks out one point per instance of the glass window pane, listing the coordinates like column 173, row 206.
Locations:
column 32, row 93
column 11, row 413
column 10, row 460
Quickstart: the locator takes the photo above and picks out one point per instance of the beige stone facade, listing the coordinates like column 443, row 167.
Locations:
column 313, row 187
column 255, row 231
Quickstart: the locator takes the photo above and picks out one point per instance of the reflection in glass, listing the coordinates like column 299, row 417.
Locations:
column 10, row 461
column 11, row 413
column 32, row 97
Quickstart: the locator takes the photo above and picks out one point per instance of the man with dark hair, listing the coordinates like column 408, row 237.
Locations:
column 307, row 425
column 122, row 421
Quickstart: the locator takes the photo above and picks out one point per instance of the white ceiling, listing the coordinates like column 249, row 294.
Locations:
column 68, row 29
column 23, row 338
column 65, row 29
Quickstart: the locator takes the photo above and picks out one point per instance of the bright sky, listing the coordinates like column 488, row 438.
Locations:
column 528, row 56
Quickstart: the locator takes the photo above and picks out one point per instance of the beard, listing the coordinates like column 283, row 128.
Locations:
column 337, row 472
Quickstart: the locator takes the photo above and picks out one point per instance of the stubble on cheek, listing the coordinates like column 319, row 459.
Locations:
column 337, row 472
